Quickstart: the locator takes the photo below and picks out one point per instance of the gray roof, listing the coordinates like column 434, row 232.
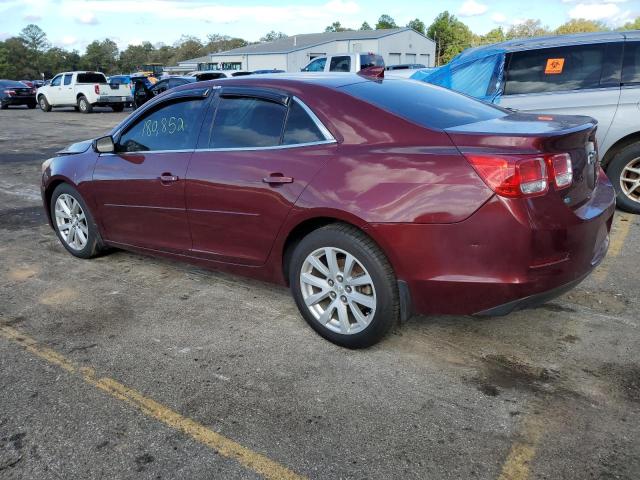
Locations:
column 553, row 41
column 204, row 59
column 306, row 40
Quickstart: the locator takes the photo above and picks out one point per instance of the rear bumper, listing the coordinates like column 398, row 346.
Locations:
column 110, row 100
column 510, row 254
column 19, row 100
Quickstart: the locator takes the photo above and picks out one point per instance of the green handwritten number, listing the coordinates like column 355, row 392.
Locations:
column 154, row 129
column 181, row 126
column 164, row 124
column 172, row 125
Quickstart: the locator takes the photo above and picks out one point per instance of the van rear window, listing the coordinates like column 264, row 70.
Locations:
column 424, row 104
column 91, row 78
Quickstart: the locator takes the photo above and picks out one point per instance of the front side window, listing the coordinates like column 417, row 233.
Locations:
column 555, row 69
column 316, row 66
column 67, row 78
column 243, row 122
column 172, row 126
column 340, row 64
column 631, row 66
column 56, row 81
column 300, row 128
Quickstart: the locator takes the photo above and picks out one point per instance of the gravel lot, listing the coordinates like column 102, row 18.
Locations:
column 135, row 367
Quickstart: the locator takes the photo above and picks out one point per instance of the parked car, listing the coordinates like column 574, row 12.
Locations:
column 345, row 62
column 372, row 199
column 16, row 93
column 119, row 80
column 84, row 91
column 262, row 72
column 144, row 92
column 202, row 75
column 596, row 74
column 405, row 66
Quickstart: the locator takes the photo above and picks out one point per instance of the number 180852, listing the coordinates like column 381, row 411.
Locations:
column 163, row 126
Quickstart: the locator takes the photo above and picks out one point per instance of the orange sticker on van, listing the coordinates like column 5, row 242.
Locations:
column 554, row 66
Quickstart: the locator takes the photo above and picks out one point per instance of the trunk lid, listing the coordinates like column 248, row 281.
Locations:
column 538, row 134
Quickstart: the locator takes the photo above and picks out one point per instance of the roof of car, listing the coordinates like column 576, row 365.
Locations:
column 548, row 41
column 331, row 80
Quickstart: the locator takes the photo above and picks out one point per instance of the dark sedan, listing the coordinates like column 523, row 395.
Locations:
column 372, row 199
column 16, row 93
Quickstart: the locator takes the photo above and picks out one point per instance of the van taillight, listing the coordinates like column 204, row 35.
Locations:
column 560, row 169
column 97, row 89
column 511, row 175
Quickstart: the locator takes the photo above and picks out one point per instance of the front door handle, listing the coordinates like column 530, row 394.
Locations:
column 277, row 179
column 168, row 178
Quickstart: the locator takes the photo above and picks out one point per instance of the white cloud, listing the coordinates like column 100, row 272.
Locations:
column 32, row 18
column 499, row 17
column 68, row 40
column 87, row 18
column 593, row 11
column 471, row 8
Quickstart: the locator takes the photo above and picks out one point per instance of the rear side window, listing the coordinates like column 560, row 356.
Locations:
column 172, row 126
column 242, row 122
column 424, row 104
column 368, row 60
column 631, row 66
column 67, row 78
column 340, row 64
column 559, row 69
column 300, row 128
column 91, row 78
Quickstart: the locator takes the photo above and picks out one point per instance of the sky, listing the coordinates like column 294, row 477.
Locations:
column 72, row 24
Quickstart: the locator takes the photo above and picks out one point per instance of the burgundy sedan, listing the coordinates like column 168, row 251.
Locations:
column 372, row 199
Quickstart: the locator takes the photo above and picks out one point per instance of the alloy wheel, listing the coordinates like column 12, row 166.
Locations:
column 338, row 290
column 71, row 222
column 630, row 180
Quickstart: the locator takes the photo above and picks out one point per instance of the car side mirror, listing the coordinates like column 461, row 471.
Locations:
column 104, row 144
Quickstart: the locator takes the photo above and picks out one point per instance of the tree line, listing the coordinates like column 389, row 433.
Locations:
column 30, row 54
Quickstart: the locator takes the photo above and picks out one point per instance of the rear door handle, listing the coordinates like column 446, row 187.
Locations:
column 277, row 179
column 168, row 178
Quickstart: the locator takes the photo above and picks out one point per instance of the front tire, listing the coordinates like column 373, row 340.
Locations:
column 31, row 105
column 624, row 173
column 83, row 105
column 44, row 104
column 344, row 286
column 4, row 106
column 73, row 222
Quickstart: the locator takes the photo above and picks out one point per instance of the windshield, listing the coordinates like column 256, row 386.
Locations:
column 371, row 60
column 424, row 104
column 91, row 77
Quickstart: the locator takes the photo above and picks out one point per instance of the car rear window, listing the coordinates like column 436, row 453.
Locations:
column 91, row 78
column 424, row 104
column 370, row 60
column 12, row 84
column 631, row 68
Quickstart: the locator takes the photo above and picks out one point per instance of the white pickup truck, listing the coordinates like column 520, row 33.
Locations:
column 82, row 90
column 344, row 62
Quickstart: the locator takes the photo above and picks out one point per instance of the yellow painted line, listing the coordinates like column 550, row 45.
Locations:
column 620, row 233
column 222, row 445
column 517, row 466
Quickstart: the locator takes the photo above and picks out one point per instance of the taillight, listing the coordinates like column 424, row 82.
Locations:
column 512, row 176
column 10, row 92
column 32, row 91
column 560, row 169
column 96, row 88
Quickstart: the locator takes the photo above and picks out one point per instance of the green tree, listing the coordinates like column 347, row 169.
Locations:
column 492, row 36
column 384, row 22
column 134, row 56
column 273, row 35
column 418, row 25
column 20, row 61
column 365, row 26
column 336, row 27
column 221, row 43
column 56, row 60
column 580, row 25
column 4, row 61
column 635, row 25
column 101, row 56
column 529, row 28
column 34, row 38
column 451, row 36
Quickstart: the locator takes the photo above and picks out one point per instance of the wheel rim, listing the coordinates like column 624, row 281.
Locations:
column 43, row 105
column 83, row 105
column 630, row 180
column 71, row 222
column 338, row 290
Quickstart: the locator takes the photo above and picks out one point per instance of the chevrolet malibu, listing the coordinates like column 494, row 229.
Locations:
column 372, row 199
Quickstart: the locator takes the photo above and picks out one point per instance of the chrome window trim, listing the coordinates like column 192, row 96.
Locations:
column 273, row 147
column 324, row 130
column 146, row 152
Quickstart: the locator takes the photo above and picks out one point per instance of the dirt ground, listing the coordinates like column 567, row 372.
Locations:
column 134, row 367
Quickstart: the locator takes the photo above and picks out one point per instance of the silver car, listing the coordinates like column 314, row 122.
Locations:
column 595, row 74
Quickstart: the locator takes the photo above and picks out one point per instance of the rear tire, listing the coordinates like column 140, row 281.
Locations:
column 32, row 105
column 73, row 223
column 83, row 105
column 44, row 104
column 624, row 173
column 117, row 108
column 4, row 106
column 355, row 306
